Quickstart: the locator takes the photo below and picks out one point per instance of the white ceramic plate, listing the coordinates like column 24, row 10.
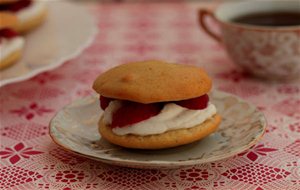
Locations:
column 68, row 29
column 75, row 129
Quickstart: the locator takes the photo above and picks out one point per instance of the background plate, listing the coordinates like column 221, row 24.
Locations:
column 68, row 29
column 75, row 129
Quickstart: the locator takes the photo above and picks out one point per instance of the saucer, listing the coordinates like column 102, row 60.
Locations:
column 75, row 129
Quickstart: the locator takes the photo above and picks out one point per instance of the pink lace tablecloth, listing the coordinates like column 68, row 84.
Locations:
column 131, row 32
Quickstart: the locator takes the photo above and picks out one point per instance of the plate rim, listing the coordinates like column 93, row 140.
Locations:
column 60, row 61
column 161, row 164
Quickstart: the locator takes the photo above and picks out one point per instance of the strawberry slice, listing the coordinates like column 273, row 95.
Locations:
column 133, row 112
column 7, row 33
column 195, row 103
column 16, row 6
column 104, row 101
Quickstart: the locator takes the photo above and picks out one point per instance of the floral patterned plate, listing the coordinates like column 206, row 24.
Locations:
column 75, row 129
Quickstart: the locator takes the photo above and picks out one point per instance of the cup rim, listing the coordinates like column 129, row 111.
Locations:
column 256, row 27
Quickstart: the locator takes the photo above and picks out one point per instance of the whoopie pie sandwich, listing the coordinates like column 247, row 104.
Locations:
column 11, row 43
column 155, row 105
column 30, row 13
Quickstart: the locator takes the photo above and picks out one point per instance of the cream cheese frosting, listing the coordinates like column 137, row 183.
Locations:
column 171, row 117
column 8, row 46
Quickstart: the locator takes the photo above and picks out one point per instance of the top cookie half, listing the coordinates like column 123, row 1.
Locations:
column 153, row 81
column 7, row 1
column 8, row 20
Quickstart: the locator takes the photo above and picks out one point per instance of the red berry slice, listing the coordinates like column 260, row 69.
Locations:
column 16, row 6
column 7, row 33
column 104, row 102
column 133, row 112
column 195, row 103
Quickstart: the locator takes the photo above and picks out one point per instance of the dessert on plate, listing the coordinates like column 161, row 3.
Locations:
column 31, row 13
column 11, row 44
column 155, row 105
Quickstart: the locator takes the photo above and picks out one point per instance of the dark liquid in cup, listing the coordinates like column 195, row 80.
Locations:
column 270, row 19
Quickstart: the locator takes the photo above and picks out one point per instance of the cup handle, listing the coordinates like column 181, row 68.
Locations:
column 202, row 15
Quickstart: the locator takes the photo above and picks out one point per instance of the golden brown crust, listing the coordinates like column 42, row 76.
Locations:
column 32, row 23
column 7, row 1
column 8, row 20
column 153, row 81
column 166, row 140
column 10, row 59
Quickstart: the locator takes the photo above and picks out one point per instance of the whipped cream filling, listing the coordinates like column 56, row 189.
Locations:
column 36, row 8
column 8, row 46
column 171, row 117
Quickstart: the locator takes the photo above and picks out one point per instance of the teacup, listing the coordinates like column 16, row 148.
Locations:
column 266, row 51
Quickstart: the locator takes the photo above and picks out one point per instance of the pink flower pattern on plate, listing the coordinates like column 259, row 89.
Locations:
column 18, row 152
